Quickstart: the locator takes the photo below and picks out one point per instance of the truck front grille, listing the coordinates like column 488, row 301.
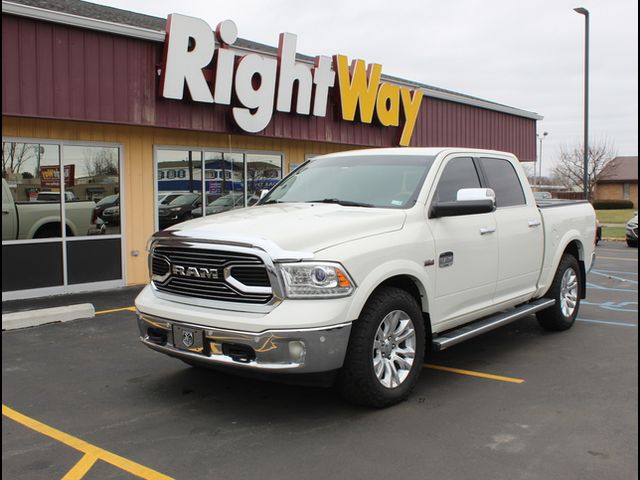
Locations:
column 199, row 273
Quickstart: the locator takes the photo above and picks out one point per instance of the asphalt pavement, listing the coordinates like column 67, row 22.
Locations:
column 86, row 399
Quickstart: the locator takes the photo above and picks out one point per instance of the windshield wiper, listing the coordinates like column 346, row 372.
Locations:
column 344, row 203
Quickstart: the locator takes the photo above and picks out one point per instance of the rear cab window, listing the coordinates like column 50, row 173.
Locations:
column 503, row 179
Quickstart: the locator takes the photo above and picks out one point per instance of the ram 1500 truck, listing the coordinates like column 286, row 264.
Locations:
column 357, row 262
column 42, row 218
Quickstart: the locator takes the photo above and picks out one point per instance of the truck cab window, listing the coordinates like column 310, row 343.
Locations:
column 458, row 173
column 503, row 179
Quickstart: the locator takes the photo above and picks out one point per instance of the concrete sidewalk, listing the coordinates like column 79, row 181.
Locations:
column 101, row 300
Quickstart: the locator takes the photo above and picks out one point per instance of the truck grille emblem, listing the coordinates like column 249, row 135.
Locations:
column 198, row 272
column 187, row 339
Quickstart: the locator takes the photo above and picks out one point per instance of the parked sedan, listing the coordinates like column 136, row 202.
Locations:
column 632, row 232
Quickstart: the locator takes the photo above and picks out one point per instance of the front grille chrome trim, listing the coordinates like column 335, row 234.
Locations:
column 250, row 295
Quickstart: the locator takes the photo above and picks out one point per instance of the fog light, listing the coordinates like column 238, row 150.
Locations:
column 297, row 351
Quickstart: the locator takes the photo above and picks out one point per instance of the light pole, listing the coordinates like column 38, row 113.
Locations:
column 585, row 151
column 540, row 139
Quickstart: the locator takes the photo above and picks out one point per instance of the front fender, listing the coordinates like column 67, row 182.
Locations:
column 384, row 272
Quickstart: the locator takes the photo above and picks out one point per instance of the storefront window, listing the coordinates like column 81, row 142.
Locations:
column 179, row 174
column 231, row 180
column 46, row 186
column 30, row 191
column 92, row 190
column 263, row 172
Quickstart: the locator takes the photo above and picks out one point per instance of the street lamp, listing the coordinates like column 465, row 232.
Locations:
column 585, row 152
column 540, row 139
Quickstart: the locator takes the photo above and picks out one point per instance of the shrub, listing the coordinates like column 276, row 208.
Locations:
column 612, row 204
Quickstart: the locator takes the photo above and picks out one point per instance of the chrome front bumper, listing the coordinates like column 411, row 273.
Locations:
column 283, row 351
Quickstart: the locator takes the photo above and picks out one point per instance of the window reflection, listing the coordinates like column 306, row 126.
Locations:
column 230, row 181
column 30, row 191
column 92, row 190
column 179, row 174
column 263, row 172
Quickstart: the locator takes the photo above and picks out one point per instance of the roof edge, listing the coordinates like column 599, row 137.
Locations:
column 159, row 36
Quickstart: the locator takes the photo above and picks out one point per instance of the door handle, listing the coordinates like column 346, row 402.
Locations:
column 486, row 230
column 534, row 223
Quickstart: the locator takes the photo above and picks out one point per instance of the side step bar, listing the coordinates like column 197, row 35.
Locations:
column 453, row 337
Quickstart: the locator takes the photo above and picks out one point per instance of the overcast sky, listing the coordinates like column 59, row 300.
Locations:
column 526, row 54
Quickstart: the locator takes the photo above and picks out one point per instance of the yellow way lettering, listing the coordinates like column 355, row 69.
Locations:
column 411, row 107
column 358, row 87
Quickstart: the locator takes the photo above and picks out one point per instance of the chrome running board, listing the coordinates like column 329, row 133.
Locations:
column 453, row 337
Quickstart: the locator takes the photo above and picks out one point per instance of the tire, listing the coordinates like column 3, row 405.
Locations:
column 372, row 342
column 632, row 243
column 48, row 231
column 565, row 290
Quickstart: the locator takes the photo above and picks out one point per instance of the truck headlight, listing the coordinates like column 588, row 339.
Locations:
column 316, row 280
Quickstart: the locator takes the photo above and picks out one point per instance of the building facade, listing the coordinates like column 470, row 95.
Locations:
column 618, row 180
column 104, row 136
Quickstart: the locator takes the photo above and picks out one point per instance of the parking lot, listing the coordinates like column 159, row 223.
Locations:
column 85, row 399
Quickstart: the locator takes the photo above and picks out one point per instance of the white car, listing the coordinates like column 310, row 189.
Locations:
column 357, row 262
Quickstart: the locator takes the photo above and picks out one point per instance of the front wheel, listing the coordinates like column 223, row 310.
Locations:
column 386, row 350
column 565, row 290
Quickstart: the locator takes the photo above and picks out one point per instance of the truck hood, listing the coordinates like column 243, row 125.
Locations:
column 291, row 231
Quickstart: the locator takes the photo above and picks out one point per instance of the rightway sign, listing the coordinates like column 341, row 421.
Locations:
column 255, row 85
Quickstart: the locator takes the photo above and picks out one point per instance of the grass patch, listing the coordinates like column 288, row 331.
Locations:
column 615, row 216
column 615, row 233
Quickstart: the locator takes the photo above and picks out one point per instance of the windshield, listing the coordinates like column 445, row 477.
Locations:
column 381, row 181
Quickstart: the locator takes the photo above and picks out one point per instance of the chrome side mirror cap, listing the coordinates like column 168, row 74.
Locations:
column 474, row 194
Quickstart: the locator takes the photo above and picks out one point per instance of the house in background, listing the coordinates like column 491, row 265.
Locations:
column 618, row 180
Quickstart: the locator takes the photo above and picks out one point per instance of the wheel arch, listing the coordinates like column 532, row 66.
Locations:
column 576, row 249
column 407, row 281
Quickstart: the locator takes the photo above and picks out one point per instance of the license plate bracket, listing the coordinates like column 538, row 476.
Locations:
column 189, row 339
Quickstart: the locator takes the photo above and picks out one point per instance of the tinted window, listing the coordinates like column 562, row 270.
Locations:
column 458, row 173
column 503, row 179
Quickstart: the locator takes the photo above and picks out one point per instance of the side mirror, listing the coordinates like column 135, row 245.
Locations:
column 469, row 201
column 263, row 193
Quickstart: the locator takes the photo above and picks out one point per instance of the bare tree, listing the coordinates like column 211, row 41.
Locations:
column 14, row 155
column 100, row 162
column 569, row 170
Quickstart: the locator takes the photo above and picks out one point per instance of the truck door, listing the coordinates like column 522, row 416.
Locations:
column 519, row 231
column 466, row 263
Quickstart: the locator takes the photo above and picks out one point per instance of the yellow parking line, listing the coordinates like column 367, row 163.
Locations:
column 128, row 309
column 81, row 468
column 474, row 374
column 91, row 451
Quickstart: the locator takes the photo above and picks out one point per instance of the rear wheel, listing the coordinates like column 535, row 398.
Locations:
column 565, row 290
column 386, row 350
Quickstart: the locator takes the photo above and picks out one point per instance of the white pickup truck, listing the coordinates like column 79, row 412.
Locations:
column 356, row 263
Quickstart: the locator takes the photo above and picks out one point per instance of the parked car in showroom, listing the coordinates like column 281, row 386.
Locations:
column 632, row 231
